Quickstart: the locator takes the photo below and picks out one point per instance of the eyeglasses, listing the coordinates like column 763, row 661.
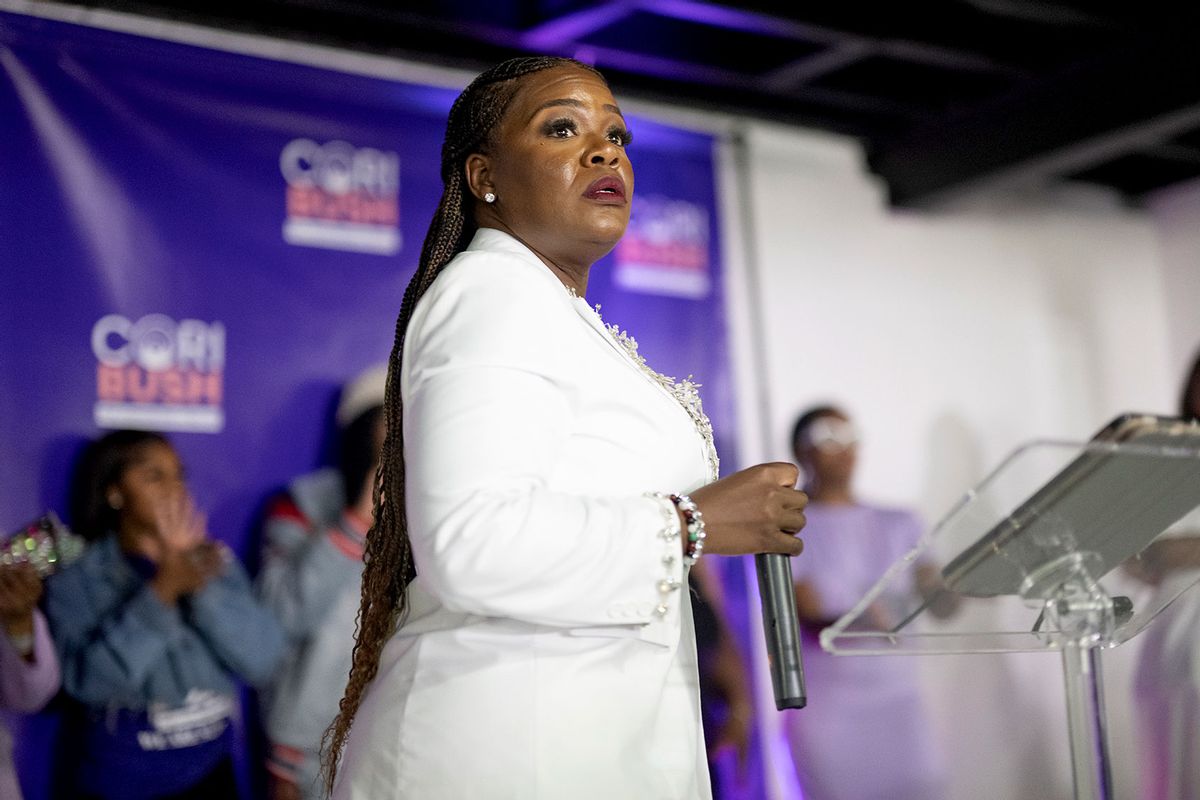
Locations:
column 832, row 435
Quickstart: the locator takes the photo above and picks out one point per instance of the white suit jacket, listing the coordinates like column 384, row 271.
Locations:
column 534, row 663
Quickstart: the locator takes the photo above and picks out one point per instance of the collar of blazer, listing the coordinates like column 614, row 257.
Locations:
column 497, row 240
column 681, row 394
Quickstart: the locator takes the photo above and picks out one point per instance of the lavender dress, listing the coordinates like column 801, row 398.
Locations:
column 864, row 734
column 1167, row 691
column 24, row 688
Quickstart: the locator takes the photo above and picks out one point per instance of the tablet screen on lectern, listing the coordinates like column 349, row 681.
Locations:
column 1109, row 503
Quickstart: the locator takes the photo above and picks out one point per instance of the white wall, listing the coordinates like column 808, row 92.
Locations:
column 952, row 336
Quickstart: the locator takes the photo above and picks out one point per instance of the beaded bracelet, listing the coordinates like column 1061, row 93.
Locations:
column 694, row 524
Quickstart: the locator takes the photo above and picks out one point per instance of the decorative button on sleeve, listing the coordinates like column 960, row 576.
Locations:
column 670, row 535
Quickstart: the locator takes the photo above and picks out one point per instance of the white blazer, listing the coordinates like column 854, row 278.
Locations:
column 535, row 662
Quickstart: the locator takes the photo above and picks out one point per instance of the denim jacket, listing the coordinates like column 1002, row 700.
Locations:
column 121, row 647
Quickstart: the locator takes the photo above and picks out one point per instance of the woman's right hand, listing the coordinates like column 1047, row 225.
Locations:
column 178, row 526
column 184, row 572
column 757, row 510
column 186, row 559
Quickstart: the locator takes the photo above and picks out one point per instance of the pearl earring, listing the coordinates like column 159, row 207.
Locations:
column 490, row 197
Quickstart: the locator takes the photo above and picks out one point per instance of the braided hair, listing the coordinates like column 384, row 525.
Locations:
column 388, row 567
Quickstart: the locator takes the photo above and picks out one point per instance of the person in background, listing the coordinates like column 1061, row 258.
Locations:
column 29, row 673
column 153, row 626
column 863, row 735
column 1167, row 679
column 311, row 576
column 726, row 705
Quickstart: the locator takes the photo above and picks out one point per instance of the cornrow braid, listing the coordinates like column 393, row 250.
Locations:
column 388, row 564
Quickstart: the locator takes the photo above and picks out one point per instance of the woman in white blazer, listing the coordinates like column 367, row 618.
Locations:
column 523, row 634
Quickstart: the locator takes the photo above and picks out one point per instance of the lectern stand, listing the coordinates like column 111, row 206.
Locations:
column 1028, row 560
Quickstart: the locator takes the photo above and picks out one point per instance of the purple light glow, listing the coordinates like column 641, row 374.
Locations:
column 737, row 19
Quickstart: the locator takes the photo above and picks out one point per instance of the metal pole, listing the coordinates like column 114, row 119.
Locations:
column 754, row 290
column 1085, row 722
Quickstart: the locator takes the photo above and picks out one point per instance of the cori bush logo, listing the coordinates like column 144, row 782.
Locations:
column 158, row 374
column 665, row 249
column 341, row 197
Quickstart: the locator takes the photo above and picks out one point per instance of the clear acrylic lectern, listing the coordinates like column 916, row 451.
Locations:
column 1030, row 560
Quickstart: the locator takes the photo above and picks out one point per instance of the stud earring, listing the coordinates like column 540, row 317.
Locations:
column 490, row 197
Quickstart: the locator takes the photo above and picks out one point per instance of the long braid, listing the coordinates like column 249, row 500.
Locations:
column 388, row 562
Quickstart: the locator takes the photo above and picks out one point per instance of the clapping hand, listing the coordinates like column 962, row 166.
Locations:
column 180, row 546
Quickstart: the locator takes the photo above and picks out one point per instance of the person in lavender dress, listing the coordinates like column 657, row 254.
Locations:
column 1167, row 680
column 29, row 673
column 864, row 734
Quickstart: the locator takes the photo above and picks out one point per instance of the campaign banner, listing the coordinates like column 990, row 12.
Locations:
column 666, row 249
column 158, row 374
column 210, row 244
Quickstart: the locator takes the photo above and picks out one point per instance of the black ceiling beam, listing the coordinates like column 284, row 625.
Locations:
column 574, row 25
column 835, row 114
column 805, row 70
column 1084, row 114
column 409, row 34
column 1174, row 152
column 394, row 33
column 1155, row 79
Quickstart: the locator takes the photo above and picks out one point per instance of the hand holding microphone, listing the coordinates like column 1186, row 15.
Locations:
column 758, row 510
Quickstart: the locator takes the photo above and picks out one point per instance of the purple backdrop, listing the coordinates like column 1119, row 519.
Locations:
column 211, row 244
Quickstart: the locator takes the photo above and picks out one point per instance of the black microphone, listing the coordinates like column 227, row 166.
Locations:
column 782, row 629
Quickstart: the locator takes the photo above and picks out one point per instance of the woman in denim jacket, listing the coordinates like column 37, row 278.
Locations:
column 154, row 625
